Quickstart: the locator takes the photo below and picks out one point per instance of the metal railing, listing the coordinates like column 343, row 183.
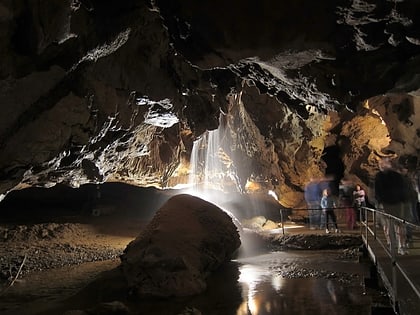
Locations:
column 373, row 235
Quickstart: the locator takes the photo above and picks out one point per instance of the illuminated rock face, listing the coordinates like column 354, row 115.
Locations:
column 186, row 240
column 93, row 91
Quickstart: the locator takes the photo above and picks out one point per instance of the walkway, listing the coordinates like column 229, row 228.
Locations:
column 400, row 274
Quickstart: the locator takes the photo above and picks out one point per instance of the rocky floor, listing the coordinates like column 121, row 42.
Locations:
column 43, row 246
column 28, row 248
column 31, row 247
column 58, row 248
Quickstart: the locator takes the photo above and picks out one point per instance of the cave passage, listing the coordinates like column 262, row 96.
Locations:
column 335, row 166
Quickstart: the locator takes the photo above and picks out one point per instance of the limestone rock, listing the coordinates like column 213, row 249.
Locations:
column 186, row 240
column 99, row 91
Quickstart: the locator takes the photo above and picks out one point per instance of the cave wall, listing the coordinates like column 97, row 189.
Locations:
column 100, row 91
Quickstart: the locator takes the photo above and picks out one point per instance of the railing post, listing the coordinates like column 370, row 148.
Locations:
column 393, row 244
column 282, row 220
column 374, row 224
column 366, row 222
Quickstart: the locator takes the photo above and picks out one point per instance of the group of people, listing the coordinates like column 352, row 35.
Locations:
column 321, row 203
column 394, row 194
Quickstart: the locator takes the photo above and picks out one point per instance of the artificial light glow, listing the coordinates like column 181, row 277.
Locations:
column 251, row 276
column 293, row 226
column 273, row 194
column 285, row 227
column 182, row 186
column 277, row 282
column 252, row 304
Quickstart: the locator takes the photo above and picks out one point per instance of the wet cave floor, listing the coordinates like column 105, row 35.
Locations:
column 69, row 264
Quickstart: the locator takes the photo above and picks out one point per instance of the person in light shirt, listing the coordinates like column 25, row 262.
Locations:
column 328, row 205
column 359, row 201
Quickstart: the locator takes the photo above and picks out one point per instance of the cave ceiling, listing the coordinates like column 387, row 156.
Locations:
column 94, row 91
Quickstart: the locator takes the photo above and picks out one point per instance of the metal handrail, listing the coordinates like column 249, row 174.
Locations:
column 391, row 252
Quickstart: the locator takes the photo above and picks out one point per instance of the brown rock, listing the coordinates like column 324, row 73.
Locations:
column 186, row 240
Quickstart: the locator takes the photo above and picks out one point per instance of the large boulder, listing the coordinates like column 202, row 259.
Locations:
column 186, row 240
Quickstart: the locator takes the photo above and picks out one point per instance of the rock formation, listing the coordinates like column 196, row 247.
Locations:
column 186, row 240
column 98, row 91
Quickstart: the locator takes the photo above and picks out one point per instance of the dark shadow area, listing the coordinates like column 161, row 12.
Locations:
column 111, row 286
column 335, row 166
column 60, row 202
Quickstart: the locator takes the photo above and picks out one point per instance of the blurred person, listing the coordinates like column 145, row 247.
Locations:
column 345, row 199
column 392, row 194
column 410, row 204
column 313, row 199
column 328, row 205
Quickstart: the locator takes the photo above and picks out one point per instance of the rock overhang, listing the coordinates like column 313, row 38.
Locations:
column 305, row 60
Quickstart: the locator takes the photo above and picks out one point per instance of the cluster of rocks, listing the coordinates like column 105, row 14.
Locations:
column 314, row 241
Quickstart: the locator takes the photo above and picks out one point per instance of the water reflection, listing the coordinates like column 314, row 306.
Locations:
column 292, row 282
column 255, row 281
column 266, row 291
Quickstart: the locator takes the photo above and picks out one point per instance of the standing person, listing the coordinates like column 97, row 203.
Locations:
column 313, row 199
column 350, row 214
column 345, row 198
column 328, row 205
column 392, row 194
column 410, row 204
column 359, row 201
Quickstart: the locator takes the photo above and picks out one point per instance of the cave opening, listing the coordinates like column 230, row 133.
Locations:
column 334, row 166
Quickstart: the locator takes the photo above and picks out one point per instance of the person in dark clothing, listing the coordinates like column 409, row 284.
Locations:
column 328, row 205
column 411, row 203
